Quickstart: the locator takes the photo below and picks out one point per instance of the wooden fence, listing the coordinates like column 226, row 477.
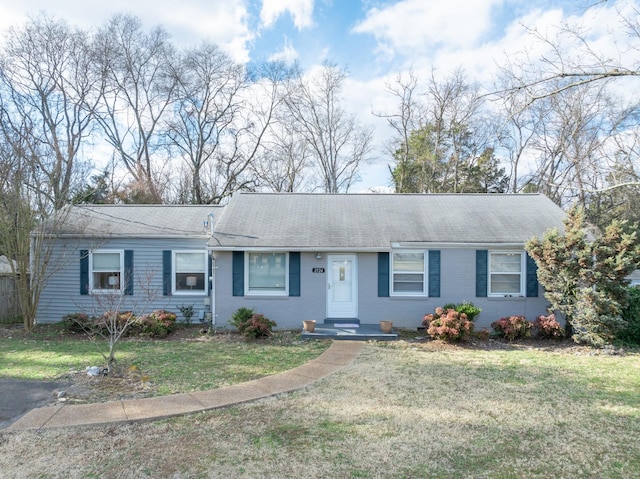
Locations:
column 9, row 304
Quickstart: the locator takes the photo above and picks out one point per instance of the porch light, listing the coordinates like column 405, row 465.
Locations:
column 318, row 255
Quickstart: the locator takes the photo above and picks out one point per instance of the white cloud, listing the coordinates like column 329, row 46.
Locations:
column 224, row 22
column 301, row 12
column 411, row 25
column 288, row 54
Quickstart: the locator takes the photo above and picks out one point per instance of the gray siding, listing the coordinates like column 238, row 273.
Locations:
column 457, row 285
column 62, row 296
column 288, row 312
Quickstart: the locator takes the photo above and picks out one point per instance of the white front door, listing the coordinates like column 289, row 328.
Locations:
column 342, row 286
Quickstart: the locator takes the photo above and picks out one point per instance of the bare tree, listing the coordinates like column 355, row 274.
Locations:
column 338, row 142
column 137, row 70
column 46, row 86
column 224, row 117
column 573, row 144
column 285, row 161
column 23, row 235
column 407, row 118
column 208, row 104
column 451, row 147
column 571, row 59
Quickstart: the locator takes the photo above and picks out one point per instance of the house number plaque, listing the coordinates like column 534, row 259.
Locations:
column 318, row 270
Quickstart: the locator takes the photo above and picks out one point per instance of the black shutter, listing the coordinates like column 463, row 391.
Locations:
column 128, row 272
column 238, row 273
column 383, row 275
column 482, row 272
column 84, row 271
column 294, row 274
column 532, row 278
column 166, row 273
column 434, row 274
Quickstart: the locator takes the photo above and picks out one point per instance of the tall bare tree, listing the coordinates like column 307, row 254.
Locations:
column 139, row 80
column 46, row 89
column 338, row 142
column 407, row 118
column 574, row 143
column 208, row 103
column 451, row 148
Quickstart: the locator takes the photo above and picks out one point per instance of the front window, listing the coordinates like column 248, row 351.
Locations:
column 505, row 273
column 106, row 270
column 190, row 269
column 408, row 273
column 267, row 273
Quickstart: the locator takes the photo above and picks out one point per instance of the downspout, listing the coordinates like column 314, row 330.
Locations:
column 213, row 290
column 211, row 218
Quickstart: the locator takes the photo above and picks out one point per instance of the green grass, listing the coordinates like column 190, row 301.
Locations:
column 400, row 410
column 173, row 365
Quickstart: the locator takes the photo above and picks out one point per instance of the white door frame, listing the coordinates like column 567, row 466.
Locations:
column 346, row 309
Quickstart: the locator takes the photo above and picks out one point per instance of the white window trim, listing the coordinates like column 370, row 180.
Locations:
column 174, row 271
column 425, row 274
column 521, row 293
column 248, row 292
column 93, row 290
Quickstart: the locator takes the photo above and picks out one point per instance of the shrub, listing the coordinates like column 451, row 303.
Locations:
column 448, row 325
column 548, row 327
column 102, row 324
column 240, row 317
column 258, row 327
column 251, row 324
column 465, row 307
column 187, row 312
column 157, row 324
column 76, row 322
column 630, row 333
column 513, row 327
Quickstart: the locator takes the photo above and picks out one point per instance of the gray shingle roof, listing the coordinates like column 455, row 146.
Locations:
column 135, row 220
column 369, row 221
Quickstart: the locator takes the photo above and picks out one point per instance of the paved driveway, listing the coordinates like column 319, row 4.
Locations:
column 17, row 397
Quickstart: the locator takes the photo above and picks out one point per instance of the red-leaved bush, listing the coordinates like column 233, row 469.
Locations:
column 548, row 327
column 449, row 325
column 513, row 327
column 158, row 324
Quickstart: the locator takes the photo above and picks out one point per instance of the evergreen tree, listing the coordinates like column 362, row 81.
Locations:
column 584, row 275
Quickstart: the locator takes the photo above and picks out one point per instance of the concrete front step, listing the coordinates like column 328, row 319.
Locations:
column 352, row 330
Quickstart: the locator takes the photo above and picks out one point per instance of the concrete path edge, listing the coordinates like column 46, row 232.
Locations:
column 336, row 357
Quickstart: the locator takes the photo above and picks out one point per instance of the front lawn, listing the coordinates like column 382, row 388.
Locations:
column 401, row 410
column 185, row 361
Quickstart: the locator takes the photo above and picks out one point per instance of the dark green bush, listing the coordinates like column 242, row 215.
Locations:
column 630, row 334
column 465, row 307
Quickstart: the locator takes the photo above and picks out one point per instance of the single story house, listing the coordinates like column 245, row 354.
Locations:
column 294, row 257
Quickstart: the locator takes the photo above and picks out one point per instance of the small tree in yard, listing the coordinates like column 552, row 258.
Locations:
column 585, row 278
column 113, row 323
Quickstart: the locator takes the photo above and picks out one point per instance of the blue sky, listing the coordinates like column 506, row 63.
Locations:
column 373, row 39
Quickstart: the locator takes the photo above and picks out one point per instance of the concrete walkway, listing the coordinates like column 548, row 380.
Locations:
column 339, row 355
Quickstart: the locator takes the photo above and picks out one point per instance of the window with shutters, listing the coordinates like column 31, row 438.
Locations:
column 266, row 273
column 189, row 272
column 408, row 273
column 106, row 271
column 506, row 276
